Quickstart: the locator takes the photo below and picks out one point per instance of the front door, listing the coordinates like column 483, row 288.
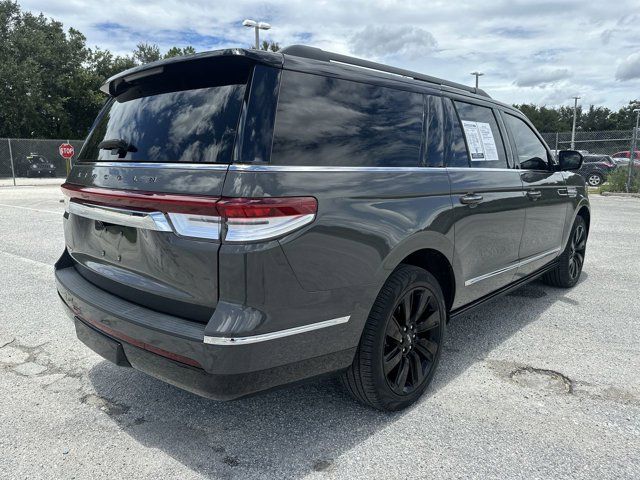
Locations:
column 546, row 194
column 489, row 207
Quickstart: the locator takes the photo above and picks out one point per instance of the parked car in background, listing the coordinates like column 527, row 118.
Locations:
column 596, row 168
column 35, row 165
column 239, row 220
column 622, row 158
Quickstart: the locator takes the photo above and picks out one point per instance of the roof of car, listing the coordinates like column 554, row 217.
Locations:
column 315, row 58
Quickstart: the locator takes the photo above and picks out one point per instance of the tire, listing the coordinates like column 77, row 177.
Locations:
column 594, row 179
column 570, row 263
column 406, row 347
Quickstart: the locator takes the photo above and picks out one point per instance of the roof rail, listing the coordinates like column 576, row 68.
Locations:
column 322, row 55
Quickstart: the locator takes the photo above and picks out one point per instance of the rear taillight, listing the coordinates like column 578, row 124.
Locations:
column 237, row 219
column 252, row 219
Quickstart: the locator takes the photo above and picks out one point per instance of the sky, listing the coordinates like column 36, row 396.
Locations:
column 542, row 52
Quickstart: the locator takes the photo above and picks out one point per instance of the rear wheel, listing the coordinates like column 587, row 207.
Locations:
column 401, row 342
column 594, row 179
column 570, row 263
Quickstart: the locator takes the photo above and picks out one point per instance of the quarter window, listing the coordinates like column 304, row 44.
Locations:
column 484, row 141
column 334, row 122
column 532, row 154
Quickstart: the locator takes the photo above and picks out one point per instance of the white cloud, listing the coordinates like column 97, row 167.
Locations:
column 509, row 40
column 542, row 77
column 393, row 41
column 629, row 68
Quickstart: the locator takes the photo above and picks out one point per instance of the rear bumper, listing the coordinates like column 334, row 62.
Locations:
column 173, row 349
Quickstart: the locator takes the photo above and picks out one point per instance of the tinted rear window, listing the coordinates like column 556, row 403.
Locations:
column 193, row 125
column 327, row 121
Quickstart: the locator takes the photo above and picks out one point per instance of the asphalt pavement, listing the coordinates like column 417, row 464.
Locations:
column 542, row 383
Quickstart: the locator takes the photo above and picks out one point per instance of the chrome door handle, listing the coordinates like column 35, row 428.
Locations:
column 534, row 194
column 563, row 192
column 471, row 199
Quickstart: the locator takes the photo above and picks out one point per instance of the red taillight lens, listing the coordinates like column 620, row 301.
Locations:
column 246, row 219
column 151, row 201
column 266, row 207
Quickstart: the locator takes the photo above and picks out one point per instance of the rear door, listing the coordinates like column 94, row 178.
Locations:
column 488, row 204
column 140, row 220
column 546, row 194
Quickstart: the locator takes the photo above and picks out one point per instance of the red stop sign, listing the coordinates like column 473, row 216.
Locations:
column 66, row 150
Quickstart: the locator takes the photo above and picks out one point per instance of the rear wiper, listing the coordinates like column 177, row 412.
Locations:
column 117, row 145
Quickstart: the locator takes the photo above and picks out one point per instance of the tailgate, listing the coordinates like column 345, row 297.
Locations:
column 147, row 246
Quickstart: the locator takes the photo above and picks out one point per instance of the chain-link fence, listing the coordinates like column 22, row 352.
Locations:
column 32, row 161
column 603, row 142
column 32, row 158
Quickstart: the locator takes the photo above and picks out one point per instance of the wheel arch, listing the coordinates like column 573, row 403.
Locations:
column 438, row 265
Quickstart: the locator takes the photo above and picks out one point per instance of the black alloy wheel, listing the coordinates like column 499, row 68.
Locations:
column 401, row 341
column 567, row 272
column 412, row 340
column 578, row 247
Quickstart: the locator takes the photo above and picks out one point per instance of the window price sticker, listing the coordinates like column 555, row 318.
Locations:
column 482, row 144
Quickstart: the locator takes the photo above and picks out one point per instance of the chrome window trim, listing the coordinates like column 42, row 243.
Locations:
column 128, row 218
column 508, row 268
column 241, row 167
column 185, row 166
column 319, row 168
column 274, row 335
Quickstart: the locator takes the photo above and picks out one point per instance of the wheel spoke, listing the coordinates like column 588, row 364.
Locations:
column 429, row 323
column 403, row 372
column 425, row 300
column 392, row 359
column 579, row 259
column 393, row 330
column 417, row 373
column 426, row 348
column 406, row 307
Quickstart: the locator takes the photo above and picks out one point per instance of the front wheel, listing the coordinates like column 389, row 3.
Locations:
column 401, row 342
column 570, row 263
column 595, row 179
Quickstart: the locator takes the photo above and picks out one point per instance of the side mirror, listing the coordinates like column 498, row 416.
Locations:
column 570, row 159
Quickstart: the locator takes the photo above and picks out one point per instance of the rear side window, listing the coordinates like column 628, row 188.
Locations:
column 323, row 121
column 192, row 125
column 532, row 154
column 484, row 141
column 455, row 148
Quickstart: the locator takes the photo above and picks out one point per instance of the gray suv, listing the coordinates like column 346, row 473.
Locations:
column 240, row 220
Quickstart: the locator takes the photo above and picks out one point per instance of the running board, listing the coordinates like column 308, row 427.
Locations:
column 504, row 290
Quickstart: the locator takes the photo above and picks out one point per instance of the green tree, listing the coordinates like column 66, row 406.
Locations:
column 178, row 52
column 270, row 46
column 146, row 53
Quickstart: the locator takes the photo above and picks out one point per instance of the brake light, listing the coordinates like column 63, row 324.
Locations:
column 241, row 219
column 253, row 219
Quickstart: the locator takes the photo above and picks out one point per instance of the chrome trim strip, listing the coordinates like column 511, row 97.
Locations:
column 317, row 168
column 128, row 218
column 273, row 335
column 183, row 166
column 521, row 263
column 247, row 167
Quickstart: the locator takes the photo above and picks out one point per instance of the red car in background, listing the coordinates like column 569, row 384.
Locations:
column 622, row 158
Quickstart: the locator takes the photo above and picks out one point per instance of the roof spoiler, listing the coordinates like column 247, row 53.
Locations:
column 115, row 84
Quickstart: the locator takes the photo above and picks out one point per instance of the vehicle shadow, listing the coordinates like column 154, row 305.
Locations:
column 294, row 431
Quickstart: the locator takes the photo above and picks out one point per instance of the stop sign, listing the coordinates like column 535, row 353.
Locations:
column 66, row 150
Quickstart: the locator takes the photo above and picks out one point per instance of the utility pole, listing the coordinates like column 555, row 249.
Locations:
column 632, row 153
column 573, row 129
column 257, row 26
column 477, row 74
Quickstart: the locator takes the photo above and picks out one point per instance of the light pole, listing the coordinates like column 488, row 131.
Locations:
column 257, row 26
column 573, row 129
column 477, row 74
column 634, row 145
